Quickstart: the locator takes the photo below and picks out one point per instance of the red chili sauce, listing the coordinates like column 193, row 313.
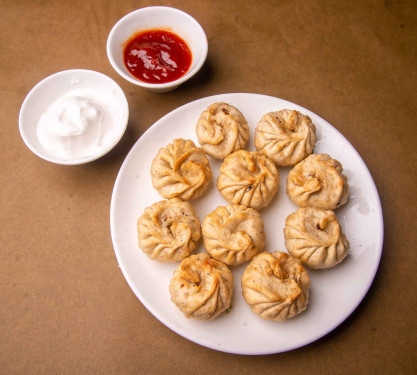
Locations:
column 157, row 56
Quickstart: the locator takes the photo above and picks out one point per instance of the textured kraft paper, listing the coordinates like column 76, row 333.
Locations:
column 65, row 307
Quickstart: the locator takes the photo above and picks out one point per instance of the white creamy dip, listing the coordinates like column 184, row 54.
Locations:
column 78, row 124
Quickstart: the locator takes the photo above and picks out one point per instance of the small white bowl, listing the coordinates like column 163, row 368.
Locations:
column 54, row 87
column 157, row 17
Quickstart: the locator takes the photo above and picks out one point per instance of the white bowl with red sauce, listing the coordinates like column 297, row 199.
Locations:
column 153, row 29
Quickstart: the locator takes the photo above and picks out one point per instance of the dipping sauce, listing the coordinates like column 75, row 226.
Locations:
column 157, row 56
column 78, row 124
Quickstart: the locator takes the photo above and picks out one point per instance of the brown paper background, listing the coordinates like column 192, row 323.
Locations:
column 65, row 307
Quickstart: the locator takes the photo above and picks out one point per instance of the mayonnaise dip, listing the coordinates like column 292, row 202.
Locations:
column 78, row 124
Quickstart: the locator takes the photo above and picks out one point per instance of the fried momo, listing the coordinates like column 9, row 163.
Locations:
column 233, row 234
column 181, row 169
column 276, row 286
column 318, row 181
column 168, row 230
column 285, row 136
column 201, row 287
column 221, row 130
column 315, row 237
column 248, row 178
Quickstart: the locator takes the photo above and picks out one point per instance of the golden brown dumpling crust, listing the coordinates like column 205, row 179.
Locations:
column 233, row 234
column 248, row 178
column 276, row 286
column 318, row 181
column 314, row 236
column 168, row 230
column 201, row 287
column 221, row 130
column 285, row 136
column 181, row 169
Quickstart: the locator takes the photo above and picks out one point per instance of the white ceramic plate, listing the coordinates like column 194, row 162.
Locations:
column 334, row 293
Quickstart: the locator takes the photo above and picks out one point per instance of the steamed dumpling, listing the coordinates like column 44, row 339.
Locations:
column 285, row 136
column 317, row 181
column 248, row 178
column 201, row 287
column 168, row 230
column 221, row 130
column 233, row 234
column 315, row 237
column 276, row 286
column 181, row 170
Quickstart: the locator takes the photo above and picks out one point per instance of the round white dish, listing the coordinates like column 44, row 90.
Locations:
column 334, row 293
column 157, row 17
column 57, row 85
